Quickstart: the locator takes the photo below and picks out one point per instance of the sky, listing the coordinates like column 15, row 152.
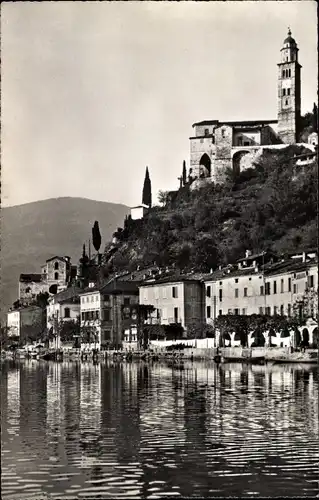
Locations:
column 93, row 92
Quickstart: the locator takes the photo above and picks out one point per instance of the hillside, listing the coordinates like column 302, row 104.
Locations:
column 33, row 232
column 272, row 206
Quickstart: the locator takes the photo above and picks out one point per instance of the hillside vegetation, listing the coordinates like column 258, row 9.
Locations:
column 270, row 207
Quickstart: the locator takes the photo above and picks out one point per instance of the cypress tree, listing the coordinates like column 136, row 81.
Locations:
column 147, row 190
column 184, row 173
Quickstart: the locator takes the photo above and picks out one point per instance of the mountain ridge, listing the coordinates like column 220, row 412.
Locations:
column 35, row 231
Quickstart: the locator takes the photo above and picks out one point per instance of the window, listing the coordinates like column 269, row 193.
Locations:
column 236, row 280
column 245, row 292
column 283, row 73
column 67, row 312
column 208, row 291
column 310, row 281
column 261, row 311
column 289, row 72
column 236, row 312
column 208, row 312
column 220, row 312
column 244, row 312
column 175, row 314
column 92, row 298
column 213, row 139
column 97, row 314
column 282, row 310
column 106, row 314
column 126, row 301
column 164, row 292
column 283, row 91
column 230, row 311
column 275, row 287
column 220, row 295
column 261, row 290
column 220, row 283
column 281, row 286
column 96, row 298
column 288, row 91
column 286, row 102
column 289, row 284
column 289, row 310
column 206, row 132
column 174, row 292
column 267, row 288
column 87, row 298
column 223, row 133
column 106, row 298
column 56, row 265
column 236, row 293
column 267, row 311
column 82, row 316
column 275, row 310
column 56, row 276
column 295, row 288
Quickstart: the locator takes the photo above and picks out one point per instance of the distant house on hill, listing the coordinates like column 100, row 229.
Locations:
column 139, row 211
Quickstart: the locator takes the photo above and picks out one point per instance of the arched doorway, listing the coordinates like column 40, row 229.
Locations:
column 237, row 161
column 305, row 337
column 315, row 338
column 225, row 340
column 259, row 339
column 205, row 166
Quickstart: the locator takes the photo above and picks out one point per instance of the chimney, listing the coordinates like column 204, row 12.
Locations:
column 304, row 256
column 220, row 268
column 247, row 253
column 256, row 269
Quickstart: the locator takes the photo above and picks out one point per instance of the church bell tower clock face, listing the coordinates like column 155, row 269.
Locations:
column 289, row 91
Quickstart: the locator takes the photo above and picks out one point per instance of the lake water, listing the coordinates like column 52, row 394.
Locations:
column 110, row 430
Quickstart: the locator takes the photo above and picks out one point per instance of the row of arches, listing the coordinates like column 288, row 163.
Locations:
column 205, row 164
column 300, row 337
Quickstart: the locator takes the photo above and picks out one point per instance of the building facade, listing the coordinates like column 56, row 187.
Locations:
column 30, row 285
column 26, row 323
column 177, row 300
column 216, row 146
column 62, row 307
column 102, row 308
column 275, row 288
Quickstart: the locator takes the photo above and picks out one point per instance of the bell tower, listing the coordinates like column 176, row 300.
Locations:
column 289, row 95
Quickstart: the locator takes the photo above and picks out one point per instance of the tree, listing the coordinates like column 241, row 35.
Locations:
column 96, row 236
column 162, row 197
column 147, row 190
column 68, row 330
column 184, row 174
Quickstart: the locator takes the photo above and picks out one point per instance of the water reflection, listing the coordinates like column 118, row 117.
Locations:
column 85, row 430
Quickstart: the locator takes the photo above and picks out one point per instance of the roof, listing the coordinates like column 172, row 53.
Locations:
column 175, row 278
column 255, row 256
column 31, row 277
column 142, row 205
column 67, row 295
column 64, row 259
column 268, row 270
column 289, row 38
column 25, row 308
column 235, row 123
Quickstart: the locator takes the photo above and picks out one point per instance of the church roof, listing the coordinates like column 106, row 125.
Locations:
column 235, row 123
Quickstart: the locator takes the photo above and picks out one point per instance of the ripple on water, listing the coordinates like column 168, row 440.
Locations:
column 125, row 432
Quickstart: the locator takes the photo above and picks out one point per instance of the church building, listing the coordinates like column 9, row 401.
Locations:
column 216, row 146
